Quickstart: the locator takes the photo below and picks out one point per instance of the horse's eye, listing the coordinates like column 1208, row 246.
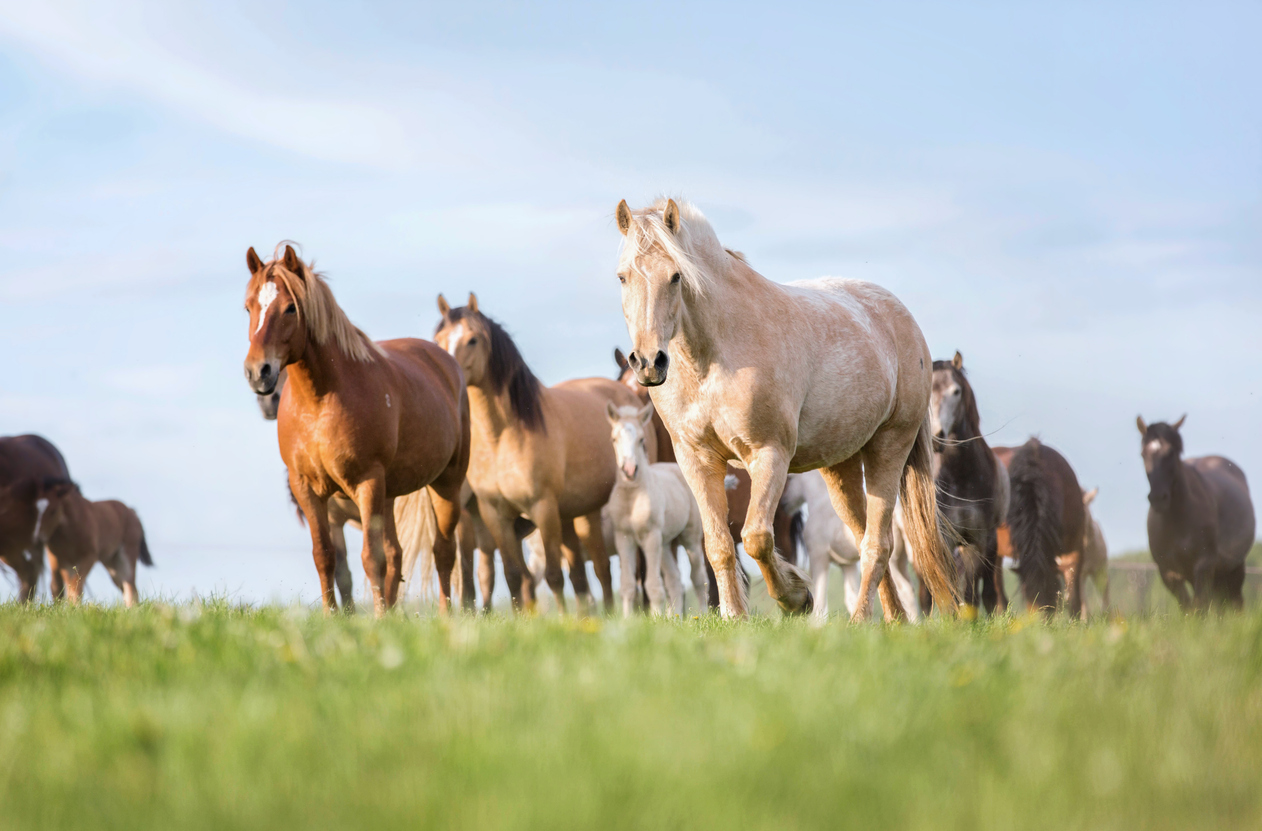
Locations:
column 291, row 309
column 622, row 278
column 674, row 278
column 473, row 341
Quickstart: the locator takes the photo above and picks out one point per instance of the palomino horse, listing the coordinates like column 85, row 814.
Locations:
column 373, row 421
column 848, row 393
column 972, row 485
column 828, row 541
column 538, row 452
column 1095, row 553
column 1200, row 519
column 80, row 533
column 651, row 508
column 27, row 464
column 1045, row 526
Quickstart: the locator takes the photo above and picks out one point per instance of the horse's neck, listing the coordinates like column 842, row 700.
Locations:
column 732, row 296
column 317, row 373
column 492, row 412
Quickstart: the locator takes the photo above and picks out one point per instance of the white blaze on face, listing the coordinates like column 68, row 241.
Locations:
column 41, row 505
column 453, row 338
column 1154, row 445
column 624, row 446
column 267, row 294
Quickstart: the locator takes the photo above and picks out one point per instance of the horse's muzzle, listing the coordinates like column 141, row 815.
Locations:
column 263, row 377
column 650, row 375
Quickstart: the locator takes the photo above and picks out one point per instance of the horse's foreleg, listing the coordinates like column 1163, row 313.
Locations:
column 572, row 552
column 696, row 558
column 466, row 555
column 482, row 539
column 370, row 498
column 628, row 552
column 818, row 560
column 500, row 523
column 316, row 511
column 705, row 476
column 1073, row 582
column 547, row 519
column 768, row 468
column 995, row 560
column 56, row 582
column 670, row 575
column 651, row 544
column 592, row 537
column 445, row 497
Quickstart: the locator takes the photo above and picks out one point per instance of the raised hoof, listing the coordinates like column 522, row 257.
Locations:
column 807, row 606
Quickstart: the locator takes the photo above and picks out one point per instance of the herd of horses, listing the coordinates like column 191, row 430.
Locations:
column 781, row 417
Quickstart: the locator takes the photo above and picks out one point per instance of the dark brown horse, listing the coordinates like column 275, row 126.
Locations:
column 80, row 533
column 1200, row 519
column 972, row 487
column 1045, row 525
column 373, row 421
column 27, row 464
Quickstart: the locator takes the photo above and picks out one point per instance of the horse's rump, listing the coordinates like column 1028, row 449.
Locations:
column 1236, row 521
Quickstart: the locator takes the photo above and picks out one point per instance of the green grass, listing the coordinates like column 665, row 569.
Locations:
column 220, row 717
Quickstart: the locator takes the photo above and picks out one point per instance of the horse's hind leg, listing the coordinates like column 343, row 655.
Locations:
column 444, row 495
column 786, row 584
column 572, row 551
column 884, row 458
column 394, row 556
column 341, row 568
column 592, row 537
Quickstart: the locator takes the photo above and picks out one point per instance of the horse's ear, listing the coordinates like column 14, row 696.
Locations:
column 624, row 217
column 473, row 302
column 443, row 306
column 611, row 412
column 620, row 359
column 958, row 360
column 1143, row 428
column 1089, row 496
column 292, row 263
column 646, row 414
column 252, row 261
column 671, row 216
column 1178, row 424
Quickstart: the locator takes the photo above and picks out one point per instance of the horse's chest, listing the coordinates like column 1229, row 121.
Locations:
column 631, row 509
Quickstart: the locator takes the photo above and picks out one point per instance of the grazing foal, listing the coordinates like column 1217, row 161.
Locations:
column 80, row 533
column 651, row 507
column 1200, row 519
column 372, row 421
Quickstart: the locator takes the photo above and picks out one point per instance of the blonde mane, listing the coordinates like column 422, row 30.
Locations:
column 325, row 319
column 695, row 250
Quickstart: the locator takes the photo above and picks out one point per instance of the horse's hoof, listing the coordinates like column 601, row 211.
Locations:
column 807, row 606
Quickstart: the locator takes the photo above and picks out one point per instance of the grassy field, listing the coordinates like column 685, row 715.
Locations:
column 214, row 716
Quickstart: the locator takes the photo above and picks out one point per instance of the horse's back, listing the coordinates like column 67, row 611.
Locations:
column 1236, row 521
column 30, row 457
column 425, row 362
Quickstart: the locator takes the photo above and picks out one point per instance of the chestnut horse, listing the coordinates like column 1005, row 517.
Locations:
column 1200, row 519
column 27, row 464
column 372, row 421
column 538, row 452
column 1046, row 525
column 972, row 486
column 80, row 533
column 847, row 393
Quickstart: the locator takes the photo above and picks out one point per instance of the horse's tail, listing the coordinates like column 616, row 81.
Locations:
column 293, row 500
column 417, row 528
column 926, row 530
column 797, row 525
column 1034, row 520
column 144, row 548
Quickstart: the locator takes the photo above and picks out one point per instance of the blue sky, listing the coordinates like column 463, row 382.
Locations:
column 1068, row 194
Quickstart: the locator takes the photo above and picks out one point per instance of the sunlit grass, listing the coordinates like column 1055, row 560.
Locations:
column 212, row 716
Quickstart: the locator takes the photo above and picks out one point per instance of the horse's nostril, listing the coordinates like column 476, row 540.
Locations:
column 634, row 360
column 660, row 362
column 265, row 371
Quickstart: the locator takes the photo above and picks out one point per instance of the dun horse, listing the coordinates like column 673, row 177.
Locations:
column 1200, row 519
column 27, row 464
column 538, row 452
column 80, row 533
column 972, row 485
column 373, row 421
column 1045, row 528
column 848, row 393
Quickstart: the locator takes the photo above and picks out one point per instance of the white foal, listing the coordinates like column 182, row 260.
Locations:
column 652, row 507
column 828, row 540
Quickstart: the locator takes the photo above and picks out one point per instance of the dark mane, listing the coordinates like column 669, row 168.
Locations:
column 1166, row 433
column 507, row 369
column 972, row 417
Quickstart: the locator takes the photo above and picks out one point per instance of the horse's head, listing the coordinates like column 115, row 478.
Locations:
column 1162, row 449
column 50, row 507
column 951, row 402
column 628, row 425
column 270, row 404
column 651, row 271
column 466, row 335
column 277, row 334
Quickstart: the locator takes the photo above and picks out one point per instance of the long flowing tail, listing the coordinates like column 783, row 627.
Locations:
column 144, row 550
column 417, row 526
column 1034, row 519
column 928, row 533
